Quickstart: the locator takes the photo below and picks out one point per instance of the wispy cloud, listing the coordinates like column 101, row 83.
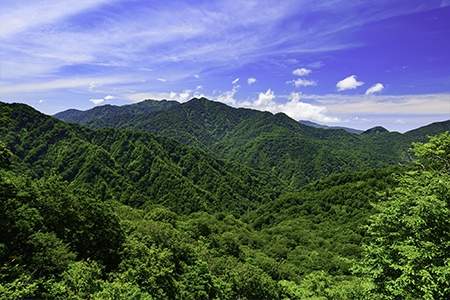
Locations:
column 384, row 104
column 300, row 82
column 301, row 72
column 68, row 83
column 44, row 37
column 19, row 16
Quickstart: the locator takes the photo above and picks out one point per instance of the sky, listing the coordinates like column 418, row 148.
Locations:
column 338, row 62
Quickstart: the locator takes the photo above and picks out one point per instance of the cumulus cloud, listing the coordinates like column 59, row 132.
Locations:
column 349, row 83
column 235, row 81
column 301, row 72
column 251, row 80
column 228, row 96
column 265, row 99
column 294, row 107
column 97, row 101
column 376, row 88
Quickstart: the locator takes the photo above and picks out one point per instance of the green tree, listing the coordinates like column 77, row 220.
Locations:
column 5, row 156
column 408, row 253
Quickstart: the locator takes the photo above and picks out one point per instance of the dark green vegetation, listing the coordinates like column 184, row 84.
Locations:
column 292, row 151
column 125, row 214
column 131, row 167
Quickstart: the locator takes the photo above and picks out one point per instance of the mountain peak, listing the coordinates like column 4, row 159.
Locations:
column 376, row 129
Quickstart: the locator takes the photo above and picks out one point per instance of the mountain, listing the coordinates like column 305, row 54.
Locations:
column 292, row 151
column 431, row 129
column 111, row 115
column 317, row 125
column 375, row 130
column 136, row 167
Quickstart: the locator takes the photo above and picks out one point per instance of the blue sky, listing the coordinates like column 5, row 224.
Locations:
column 337, row 62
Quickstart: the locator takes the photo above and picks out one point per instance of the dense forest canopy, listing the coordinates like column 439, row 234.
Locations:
column 249, row 205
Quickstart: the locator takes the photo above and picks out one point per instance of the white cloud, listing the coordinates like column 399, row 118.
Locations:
column 235, row 81
column 161, row 79
column 349, row 83
column 97, row 101
column 251, row 80
column 301, row 72
column 294, row 107
column 302, row 82
column 228, row 96
column 265, row 99
column 376, row 88
column 196, row 76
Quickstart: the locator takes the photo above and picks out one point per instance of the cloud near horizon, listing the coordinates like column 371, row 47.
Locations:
column 376, row 88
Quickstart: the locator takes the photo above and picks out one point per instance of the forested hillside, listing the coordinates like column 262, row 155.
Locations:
column 294, row 152
column 133, row 167
column 123, row 214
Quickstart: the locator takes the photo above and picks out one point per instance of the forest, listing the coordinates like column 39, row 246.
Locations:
column 161, row 200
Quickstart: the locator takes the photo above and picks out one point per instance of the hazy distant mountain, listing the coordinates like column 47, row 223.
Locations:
column 317, row 125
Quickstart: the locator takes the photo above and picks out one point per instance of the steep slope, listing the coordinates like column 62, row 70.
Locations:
column 134, row 167
column 421, row 133
column 290, row 150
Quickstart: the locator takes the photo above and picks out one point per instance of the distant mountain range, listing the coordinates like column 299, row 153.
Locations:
column 295, row 152
column 317, row 125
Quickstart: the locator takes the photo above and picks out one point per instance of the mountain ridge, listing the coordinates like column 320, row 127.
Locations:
column 130, row 161
column 295, row 152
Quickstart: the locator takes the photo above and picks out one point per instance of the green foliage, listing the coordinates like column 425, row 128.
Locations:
column 5, row 156
column 435, row 154
column 20, row 288
column 408, row 251
column 133, row 167
column 49, row 254
column 122, row 214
